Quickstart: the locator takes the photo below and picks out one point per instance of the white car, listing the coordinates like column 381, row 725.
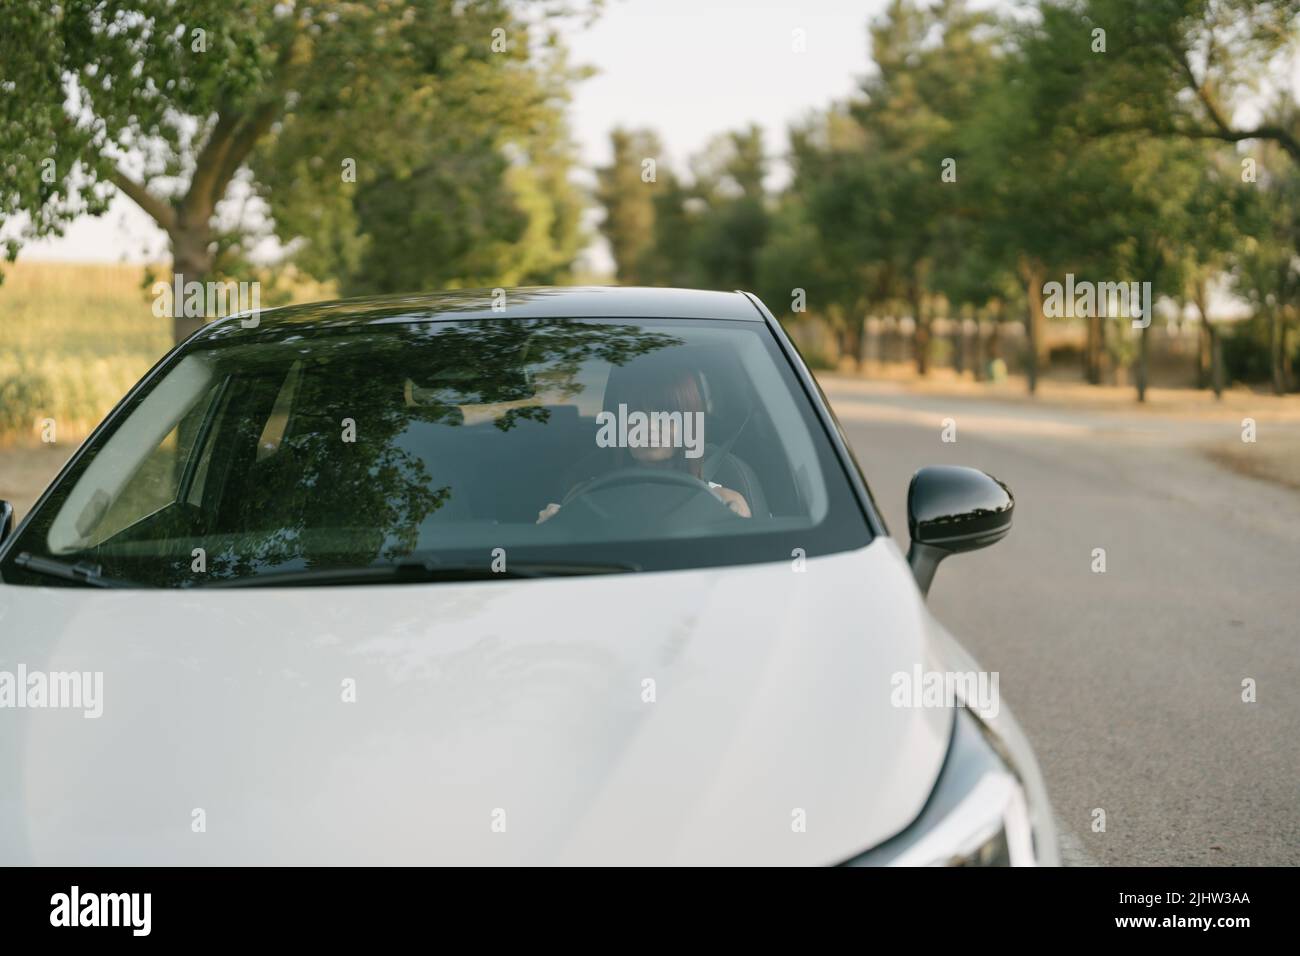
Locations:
column 580, row 576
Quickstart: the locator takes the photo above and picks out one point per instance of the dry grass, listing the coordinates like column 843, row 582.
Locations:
column 1270, row 457
column 73, row 339
column 1071, row 393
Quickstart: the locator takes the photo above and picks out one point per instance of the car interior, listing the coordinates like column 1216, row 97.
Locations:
column 427, row 469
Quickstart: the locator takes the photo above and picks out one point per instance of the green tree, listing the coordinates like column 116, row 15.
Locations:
column 931, row 65
column 1038, row 191
column 816, row 245
column 1184, row 67
column 626, row 189
column 1179, row 70
column 669, row 260
column 474, row 192
column 1266, row 267
column 733, row 226
column 166, row 100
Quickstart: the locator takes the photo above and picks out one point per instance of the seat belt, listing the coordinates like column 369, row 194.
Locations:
column 711, row 464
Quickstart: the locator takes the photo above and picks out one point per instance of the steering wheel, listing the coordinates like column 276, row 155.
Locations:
column 628, row 477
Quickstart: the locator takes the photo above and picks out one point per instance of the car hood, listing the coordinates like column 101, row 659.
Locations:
column 727, row 716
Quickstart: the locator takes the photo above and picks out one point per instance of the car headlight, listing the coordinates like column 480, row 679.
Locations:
column 977, row 815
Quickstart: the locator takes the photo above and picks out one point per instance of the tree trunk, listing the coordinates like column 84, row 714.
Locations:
column 1203, row 359
column 1089, row 338
column 993, row 350
column 839, row 328
column 1216, row 361
column 1277, row 349
column 1032, row 272
column 1142, row 363
column 1288, row 315
column 1099, row 353
column 921, row 333
column 859, row 340
column 1207, row 371
column 192, row 261
column 1031, row 351
column 959, row 344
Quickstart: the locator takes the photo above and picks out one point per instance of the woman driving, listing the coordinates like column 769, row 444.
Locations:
column 670, row 435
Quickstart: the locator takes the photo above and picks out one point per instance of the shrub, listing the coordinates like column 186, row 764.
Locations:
column 1247, row 351
column 26, row 396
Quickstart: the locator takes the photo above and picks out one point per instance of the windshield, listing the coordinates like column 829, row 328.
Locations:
column 527, row 445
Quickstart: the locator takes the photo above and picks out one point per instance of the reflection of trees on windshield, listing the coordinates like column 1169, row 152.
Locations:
column 310, row 496
column 383, row 380
column 489, row 362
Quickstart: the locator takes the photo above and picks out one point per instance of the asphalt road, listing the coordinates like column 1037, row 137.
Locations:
column 1128, row 682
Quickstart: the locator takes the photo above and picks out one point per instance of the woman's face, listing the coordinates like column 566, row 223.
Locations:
column 664, row 403
column 666, row 438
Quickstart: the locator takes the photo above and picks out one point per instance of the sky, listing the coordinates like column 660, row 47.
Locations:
column 689, row 69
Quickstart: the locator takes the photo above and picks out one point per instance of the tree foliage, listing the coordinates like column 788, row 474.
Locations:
column 986, row 155
column 450, row 114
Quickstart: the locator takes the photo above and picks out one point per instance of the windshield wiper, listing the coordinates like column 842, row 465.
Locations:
column 83, row 572
column 421, row 571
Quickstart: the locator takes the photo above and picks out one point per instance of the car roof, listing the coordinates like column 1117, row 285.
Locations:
column 512, row 303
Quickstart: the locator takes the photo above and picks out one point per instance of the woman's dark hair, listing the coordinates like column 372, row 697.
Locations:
column 656, row 387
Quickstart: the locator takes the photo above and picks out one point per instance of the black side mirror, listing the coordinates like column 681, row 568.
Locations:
column 6, row 520
column 951, row 509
